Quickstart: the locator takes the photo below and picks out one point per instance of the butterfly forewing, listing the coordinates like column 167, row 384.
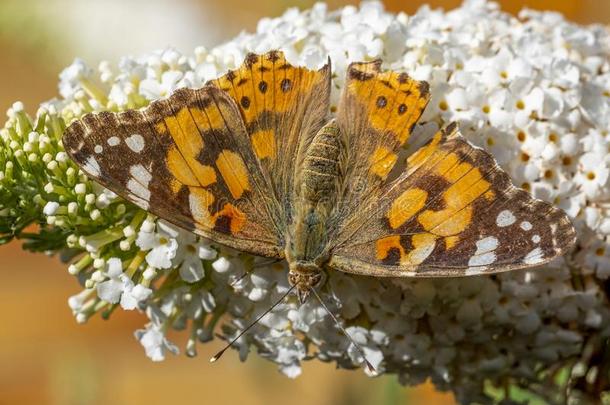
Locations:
column 453, row 212
column 283, row 107
column 377, row 113
column 186, row 159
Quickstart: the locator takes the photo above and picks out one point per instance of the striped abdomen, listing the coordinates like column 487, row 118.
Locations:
column 320, row 171
column 317, row 187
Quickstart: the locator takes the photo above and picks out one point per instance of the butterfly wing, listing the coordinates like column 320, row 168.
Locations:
column 376, row 114
column 283, row 107
column 452, row 212
column 187, row 159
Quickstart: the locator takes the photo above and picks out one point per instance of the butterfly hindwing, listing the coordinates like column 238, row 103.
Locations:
column 453, row 212
column 186, row 159
column 283, row 107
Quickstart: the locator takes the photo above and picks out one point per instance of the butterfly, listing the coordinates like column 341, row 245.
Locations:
column 255, row 160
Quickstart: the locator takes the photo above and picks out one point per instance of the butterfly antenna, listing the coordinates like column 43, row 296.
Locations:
column 237, row 280
column 369, row 366
column 254, row 266
column 221, row 352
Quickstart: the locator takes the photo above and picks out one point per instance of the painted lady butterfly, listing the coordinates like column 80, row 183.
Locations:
column 253, row 161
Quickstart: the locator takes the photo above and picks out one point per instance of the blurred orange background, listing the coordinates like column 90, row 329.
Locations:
column 45, row 357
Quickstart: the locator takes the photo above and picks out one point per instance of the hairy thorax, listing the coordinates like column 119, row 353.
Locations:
column 318, row 184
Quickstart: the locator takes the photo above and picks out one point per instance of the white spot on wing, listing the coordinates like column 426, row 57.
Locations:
column 140, row 173
column 91, row 166
column 98, row 149
column 505, row 218
column 135, row 143
column 536, row 238
column 138, row 183
column 487, row 244
column 534, row 257
column 419, row 255
column 113, row 141
column 138, row 189
column 485, row 252
column 199, row 212
column 483, row 259
column 526, row 225
column 139, row 201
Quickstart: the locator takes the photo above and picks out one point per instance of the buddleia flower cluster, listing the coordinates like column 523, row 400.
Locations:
column 532, row 89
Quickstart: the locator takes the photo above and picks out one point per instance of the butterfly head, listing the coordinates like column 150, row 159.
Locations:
column 304, row 276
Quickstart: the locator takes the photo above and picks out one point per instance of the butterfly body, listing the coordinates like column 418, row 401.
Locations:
column 320, row 180
column 254, row 161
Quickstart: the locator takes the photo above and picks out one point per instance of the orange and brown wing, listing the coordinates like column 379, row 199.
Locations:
column 283, row 107
column 453, row 212
column 377, row 113
column 186, row 159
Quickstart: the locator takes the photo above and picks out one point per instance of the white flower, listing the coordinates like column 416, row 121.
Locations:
column 160, row 244
column 120, row 288
column 70, row 78
column 50, row 208
column 152, row 89
column 133, row 295
column 593, row 173
column 112, row 289
column 189, row 256
column 155, row 343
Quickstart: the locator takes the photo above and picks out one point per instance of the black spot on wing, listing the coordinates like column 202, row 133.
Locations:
column 263, row 86
column 381, row 102
column 424, row 89
column 223, row 224
column 230, row 75
column 251, row 59
column 393, row 257
column 403, row 78
column 387, row 84
column 273, row 56
column 286, row 85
